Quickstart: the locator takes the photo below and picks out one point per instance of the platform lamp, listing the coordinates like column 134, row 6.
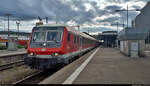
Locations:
column 46, row 20
column 8, row 15
column 117, row 24
column 127, row 12
column 18, row 23
column 78, row 27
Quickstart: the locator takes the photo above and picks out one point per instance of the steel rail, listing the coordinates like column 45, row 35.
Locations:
column 28, row 77
column 12, row 55
column 11, row 65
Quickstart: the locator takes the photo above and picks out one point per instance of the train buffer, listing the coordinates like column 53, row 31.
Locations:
column 103, row 66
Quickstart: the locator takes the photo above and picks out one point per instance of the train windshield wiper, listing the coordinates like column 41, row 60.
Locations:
column 53, row 41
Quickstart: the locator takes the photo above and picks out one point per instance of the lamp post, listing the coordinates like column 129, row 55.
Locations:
column 117, row 26
column 127, row 12
column 8, row 15
column 78, row 27
column 18, row 23
column 46, row 20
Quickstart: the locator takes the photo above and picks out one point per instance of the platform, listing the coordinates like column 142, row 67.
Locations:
column 107, row 66
column 6, row 52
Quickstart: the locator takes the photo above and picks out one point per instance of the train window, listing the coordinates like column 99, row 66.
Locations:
column 74, row 39
column 68, row 38
column 54, row 36
column 38, row 36
column 77, row 40
column 80, row 41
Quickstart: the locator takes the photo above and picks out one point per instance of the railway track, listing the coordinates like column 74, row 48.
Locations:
column 11, row 65
column 36, row 78
column 21, row 54
column 9, row 60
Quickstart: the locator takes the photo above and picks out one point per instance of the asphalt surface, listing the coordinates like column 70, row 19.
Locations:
column 108, row 66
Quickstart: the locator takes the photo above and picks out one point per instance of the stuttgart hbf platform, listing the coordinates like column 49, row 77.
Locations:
column 82, row 45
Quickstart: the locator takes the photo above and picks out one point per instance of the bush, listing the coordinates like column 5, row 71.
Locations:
column 2, row 47
column 21, row 46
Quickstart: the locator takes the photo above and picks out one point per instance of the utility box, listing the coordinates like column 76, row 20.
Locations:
column 12, row 43
column 132, row 42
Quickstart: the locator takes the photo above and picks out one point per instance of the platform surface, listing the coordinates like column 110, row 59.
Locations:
column 108, row 66
column 7, row 52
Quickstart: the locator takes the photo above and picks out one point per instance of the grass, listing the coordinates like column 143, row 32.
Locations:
column 3, row 47
column 21, row 46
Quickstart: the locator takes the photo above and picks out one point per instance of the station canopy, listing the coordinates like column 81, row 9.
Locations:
column 132, row 34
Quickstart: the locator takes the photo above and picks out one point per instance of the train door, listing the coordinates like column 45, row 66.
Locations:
column 80, row 45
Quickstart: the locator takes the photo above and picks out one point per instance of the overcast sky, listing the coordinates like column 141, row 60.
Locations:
column 100, row 12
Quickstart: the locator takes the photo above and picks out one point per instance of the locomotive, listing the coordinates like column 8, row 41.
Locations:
column 53, row 44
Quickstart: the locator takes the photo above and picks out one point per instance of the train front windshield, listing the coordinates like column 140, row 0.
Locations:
column 38, row 36
column 54, row 36
column 49, row 35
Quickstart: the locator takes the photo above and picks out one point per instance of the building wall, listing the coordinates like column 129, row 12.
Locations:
column 142, row 48
column 142, row 21
column 125, row 47
column 147, row 47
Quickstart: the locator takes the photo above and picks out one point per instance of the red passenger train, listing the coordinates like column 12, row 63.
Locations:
column 50, row 45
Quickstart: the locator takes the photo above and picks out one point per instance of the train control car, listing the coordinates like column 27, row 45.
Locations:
column 50, row 45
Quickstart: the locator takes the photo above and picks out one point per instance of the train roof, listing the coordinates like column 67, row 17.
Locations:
column 79, row 33
column 52, row 25
column 69, row 28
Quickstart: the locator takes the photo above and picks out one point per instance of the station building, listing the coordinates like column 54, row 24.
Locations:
column 108, row 38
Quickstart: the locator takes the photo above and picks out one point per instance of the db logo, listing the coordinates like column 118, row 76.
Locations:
column 43, row 49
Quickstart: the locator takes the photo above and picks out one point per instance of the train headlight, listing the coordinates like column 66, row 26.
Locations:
column 31, row 54
column 44, row 44
column 56, row 54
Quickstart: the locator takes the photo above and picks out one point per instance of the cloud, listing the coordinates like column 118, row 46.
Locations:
column 56, row 10
column 76, row 11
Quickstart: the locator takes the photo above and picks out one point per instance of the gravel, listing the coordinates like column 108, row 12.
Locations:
column 12, row 75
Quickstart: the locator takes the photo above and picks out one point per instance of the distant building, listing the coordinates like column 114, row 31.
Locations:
column 108, row 38
column 22, row 35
